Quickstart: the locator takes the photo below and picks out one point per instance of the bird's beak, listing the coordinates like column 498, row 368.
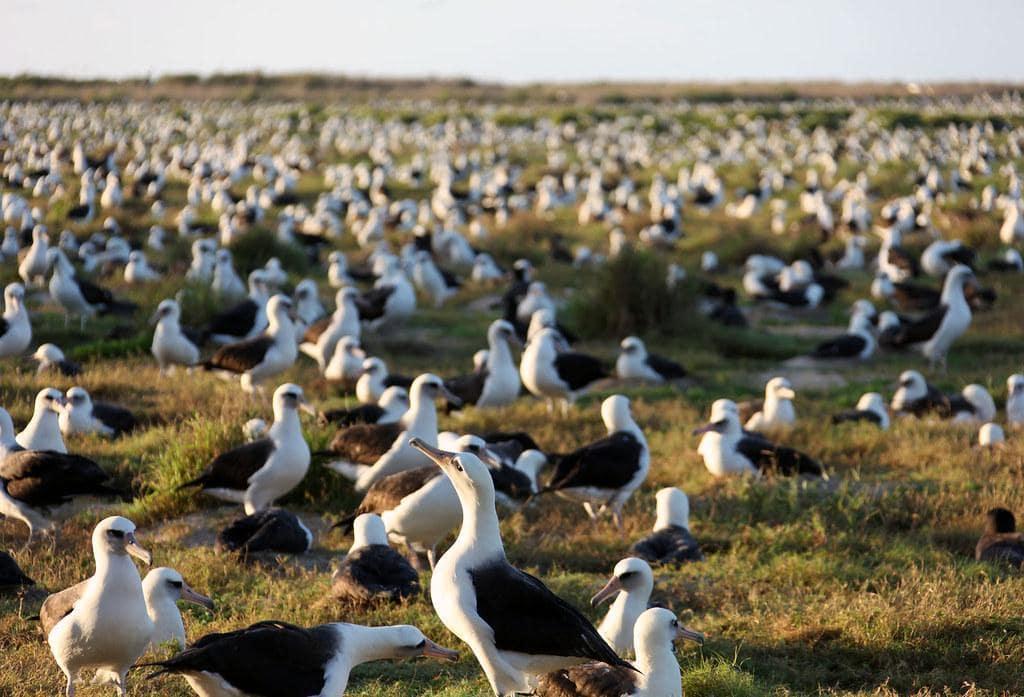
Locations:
column 439, row 653
column 133, row 548
column 706, row 428
column 191, row 596
column 687, row 633
column 155, row 318
column 786, row 393
column 609, row 591
column 441, row 458
column 305, row 406
column 490, row 459
column 447, row 394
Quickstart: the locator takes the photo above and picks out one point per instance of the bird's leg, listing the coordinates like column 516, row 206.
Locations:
column 69, row 691
column 431, row 557
column 590, row 510
column 414, row 557
column 617, row 517
column 122, row 684
column 550, row 403
column 565, row 408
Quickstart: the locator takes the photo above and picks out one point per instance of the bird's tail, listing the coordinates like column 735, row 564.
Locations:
column 119, row 307
column 346, row 523
column 198, row 481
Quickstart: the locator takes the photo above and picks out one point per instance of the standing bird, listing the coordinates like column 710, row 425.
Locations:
column 635, row 363
column 776, row 411
column 15, row 327
column 82, row 415
column 109, row 626
column 322, row 337
column 671, row 541
column 170, row 345
column 552, row 374
column 258, row 473
column 496, row 383
column 34, row 265
column 371, row 569
column 605, row 473
column 1015, row 400
column 629, row 588
column 43, row 431
column 728, row 450
column 281, row 660
column 655, row 673
column 79, row 297
column 263, row 356
column 226, row 285
column 516, row 627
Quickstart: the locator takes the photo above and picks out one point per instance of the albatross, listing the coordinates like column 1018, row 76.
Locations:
column 258, row 473
column 671, row 541
column 604, row 474
column 109, row 626
column 776, row 410
column 171, row 346
column 82, row 415
column 42, row 432
column 516, row 627
column 371, row 569
column 496, row 383
column 15, row 327
column 552, row 374
column 276, row 658
column 635, row 363
column 629, row 589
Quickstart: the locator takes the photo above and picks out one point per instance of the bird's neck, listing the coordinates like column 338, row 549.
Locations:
column 499, row 356
column 668, row 518
column 422, row 418
column 660, row 670
column 480, row 535
column 953, row 294
column 112, row 569
column 286, row 424
column 365, row 644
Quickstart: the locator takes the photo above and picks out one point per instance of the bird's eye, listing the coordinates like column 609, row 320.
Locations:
column 421, row 644
column 118, row 534
column 175, row 584
column 627, row 575
column 458, row 466
column 675, row 623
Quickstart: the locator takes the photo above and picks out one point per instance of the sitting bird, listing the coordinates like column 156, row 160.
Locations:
column 372, row 570
column 1001, row 541
column 82, row 415
column 671, row 541
column 171, row 345
column 629, row 589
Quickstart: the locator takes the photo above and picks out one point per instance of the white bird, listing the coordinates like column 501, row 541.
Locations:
column 870, row 407
column 163, row 587
column 552, row 374
column 308, row 308
column 50, row 357
column 138, row 270
column 43, row 431
column 635, row 363
column 990, row 434
column 258, row 473
column 170, row 346
column 321, row 338
column 226, row 285
column 337, row 270
column 630, row 585
column 777, row 409
column 1015, row 400
column 82, row 415
column 32, row 268
column 109, row 627
column 346, row 364
column 15, row 327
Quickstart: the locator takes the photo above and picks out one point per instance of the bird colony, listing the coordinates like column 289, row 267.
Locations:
column 291, row 388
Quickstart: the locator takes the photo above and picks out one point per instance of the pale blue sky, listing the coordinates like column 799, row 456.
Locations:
column 523, row 40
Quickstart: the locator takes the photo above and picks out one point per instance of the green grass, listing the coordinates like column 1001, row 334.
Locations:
column 864, row 585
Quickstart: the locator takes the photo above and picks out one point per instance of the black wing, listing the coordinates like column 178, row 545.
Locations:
column 270, row 659
column 857, row 415
column 363, row 444
column 511, row 482
column 665, row 367
column 672, row 545
column 375, row 570
column 3, row 326
column 913, row 296
column 115, row 417
column 521, row 438
column 589, row 680
column 394, row 380
column 1007, row 548
column 240, row 356
column 769, row 457
column 579, row 370
column 94, row 294
column 904, row 260
column 371, row 303
column 468, row 388
column 363, row 414
column 235, row 321
column 271, row 530
column 527, row 617
column 44, row 478
column 845, row 346
column 386, row 493
column 11, row 574
column 933, row 401
column 920, row 330
column 232, row 469
column 609, row 463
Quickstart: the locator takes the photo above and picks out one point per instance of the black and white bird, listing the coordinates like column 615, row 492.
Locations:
column 261, row 357
column 321, row 337
column 728, row 450
column 775, row 410
column 51, row 358
column 392, row 405
column 516, row 627
column 915, row 396
column 654, row 673
column 276, row 658
column 604, row 474
column 258, row 473
column 270, row 530
column 858, row 343
column 496, row 383
column 635, row 363
column 15, row 327
column 11, row 575
column 244, row 320
column 934, row 334
column 109, row 627
column 1015, row 400
column 33, row 482
column 82, row 415
column 671, row 541
column 870, row 407
column 367, row 452
column 629, row 589
column 376, row 378
column 78, row 297
column 171, row 345
column 372, row 570
column 552, row 374
column 42, row 432
column 1001, row 541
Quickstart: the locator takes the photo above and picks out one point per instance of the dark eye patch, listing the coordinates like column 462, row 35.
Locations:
column 174, row 584
column 627, row 575
column 116, row 533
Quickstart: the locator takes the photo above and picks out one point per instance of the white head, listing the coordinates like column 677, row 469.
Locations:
column 779, row 388
column 501, row 330
column 115, row 536
column 288, row 398
column 912, row 387
column 673, row 508
column 634, row 347
column 616, row 414
column 48, row 353
column 368, row 529
column 345, row 295
column 991, row 434
column 78, row 398
column 429, row 387
column 167, row 584
column 871, row 401
column 657, row 629
column 14, row 296
column 394, row 398
column 168, row 309
column 49, row 400
column 1015, row 386
column 632, row 576
column 279, row 309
